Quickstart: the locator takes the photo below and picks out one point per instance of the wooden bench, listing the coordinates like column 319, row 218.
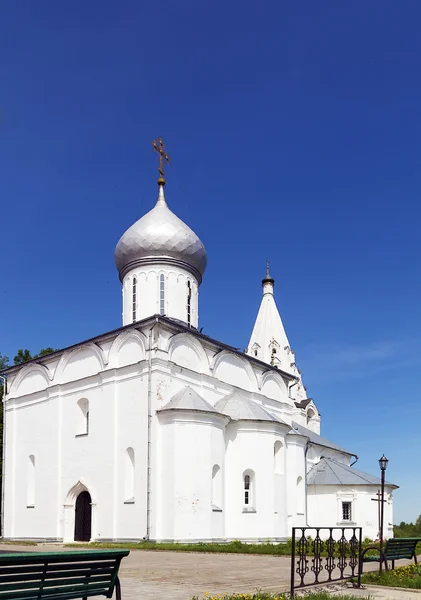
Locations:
column 60, row 575
column 395, row 549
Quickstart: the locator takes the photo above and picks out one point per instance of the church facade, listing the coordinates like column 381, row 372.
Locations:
column 156, row 431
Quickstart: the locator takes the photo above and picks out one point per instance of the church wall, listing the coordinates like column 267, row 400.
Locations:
column 89, row 458
column 148, row 294
column 295, row 481
column 189, row 445
column 325, row 508
column 31, row 509
column 130, row 446
column 250, row 451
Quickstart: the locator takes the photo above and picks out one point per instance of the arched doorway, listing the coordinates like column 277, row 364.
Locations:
column 83, row 517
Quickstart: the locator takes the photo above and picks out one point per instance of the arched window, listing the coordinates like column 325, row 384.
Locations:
column 300, row 503
column 310, row 414
column 134, row 299
column 162, row 295
column 249, row 499
column 216, row 487
column 129, row 470
column 30, row 500
column 278, row 458
column 188, row 302
column 83, row 417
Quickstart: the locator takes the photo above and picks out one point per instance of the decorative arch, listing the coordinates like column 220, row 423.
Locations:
column 273, row 386
column 188, row 352
column 84, row 361
column 69, row 509
column 279, row 457
column 300, row 501
column 310, row 413
column 31, row 378
column 77, row 489
column 128, row 348
column 234, row 369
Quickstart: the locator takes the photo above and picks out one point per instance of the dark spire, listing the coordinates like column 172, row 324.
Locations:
column 268, row 278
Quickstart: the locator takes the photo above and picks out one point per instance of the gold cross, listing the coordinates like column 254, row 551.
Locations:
column 158, row 146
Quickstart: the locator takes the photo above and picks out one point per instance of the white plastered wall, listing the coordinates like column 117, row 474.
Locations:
column 325, row 508
column 148, row 294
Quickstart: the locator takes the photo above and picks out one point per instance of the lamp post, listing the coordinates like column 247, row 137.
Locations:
column 383, row 466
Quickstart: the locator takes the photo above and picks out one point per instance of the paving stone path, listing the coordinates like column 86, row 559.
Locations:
column 148, row 575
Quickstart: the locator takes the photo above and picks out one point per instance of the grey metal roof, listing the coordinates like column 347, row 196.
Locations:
column 318, row 439
column 303, row 403
column 331, row 472
column 160, row 234
column 172, row 323
column 188, row 399
column 240, row 408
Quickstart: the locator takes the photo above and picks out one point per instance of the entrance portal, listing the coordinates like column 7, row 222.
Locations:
column 83, row 517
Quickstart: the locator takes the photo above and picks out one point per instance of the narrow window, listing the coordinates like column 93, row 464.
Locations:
column 83, row 417
column 134, row 300
column 278, row 458
column 30, row 500
column 300, row 496
column 216, row 487
column 129, row 471
column 247, row 490
column 310, row 414
column 161, row 295
column 346, row 511
column 188, row 303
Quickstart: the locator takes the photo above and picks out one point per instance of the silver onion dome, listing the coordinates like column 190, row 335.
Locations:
column 160, row 236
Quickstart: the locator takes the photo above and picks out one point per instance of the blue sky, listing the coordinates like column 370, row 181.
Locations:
column 294, row 134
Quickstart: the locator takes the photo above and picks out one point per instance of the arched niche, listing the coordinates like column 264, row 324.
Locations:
column 235, row 370
column 32, row 378
column 127, row 349
column 273, row 386
column 79, row 363
column 186, row 351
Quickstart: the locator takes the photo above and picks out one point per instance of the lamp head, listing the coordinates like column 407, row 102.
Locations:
column 383, row 463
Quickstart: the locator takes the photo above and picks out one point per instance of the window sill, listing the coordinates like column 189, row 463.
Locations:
column 81, row 435
column 249, row 509
column 129, row 501
column 346, row 523
column 216, row 508
column 31, row 506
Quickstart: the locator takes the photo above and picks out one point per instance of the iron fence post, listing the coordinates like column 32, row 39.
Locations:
column 360, row 561
column 292, row 563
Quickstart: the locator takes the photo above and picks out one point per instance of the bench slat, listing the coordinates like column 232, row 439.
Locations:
column 59, row 576
column 62, row 557
column 19, row 576
column 60, row 595
column 56, row 568
column 80, row 581
column 39, row 583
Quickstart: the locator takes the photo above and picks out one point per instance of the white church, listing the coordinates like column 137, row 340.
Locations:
column 157, row 431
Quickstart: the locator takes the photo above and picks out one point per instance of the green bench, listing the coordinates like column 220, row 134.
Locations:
column 60, row 575
column 395, row 549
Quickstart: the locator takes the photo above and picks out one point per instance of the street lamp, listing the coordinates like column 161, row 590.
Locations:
column 383, row 466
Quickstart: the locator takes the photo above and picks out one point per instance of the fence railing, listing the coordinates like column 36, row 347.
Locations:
column 324, row 555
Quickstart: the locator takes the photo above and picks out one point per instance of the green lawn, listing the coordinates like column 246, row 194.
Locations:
column 282, row 549
column 408, row 577
column 232, row 547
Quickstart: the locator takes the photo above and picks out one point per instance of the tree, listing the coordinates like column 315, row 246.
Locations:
column 4, row 362
column 45, row 351
column 22, row 356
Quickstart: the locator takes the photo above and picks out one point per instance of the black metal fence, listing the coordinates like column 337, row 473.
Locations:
column 324, row 555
